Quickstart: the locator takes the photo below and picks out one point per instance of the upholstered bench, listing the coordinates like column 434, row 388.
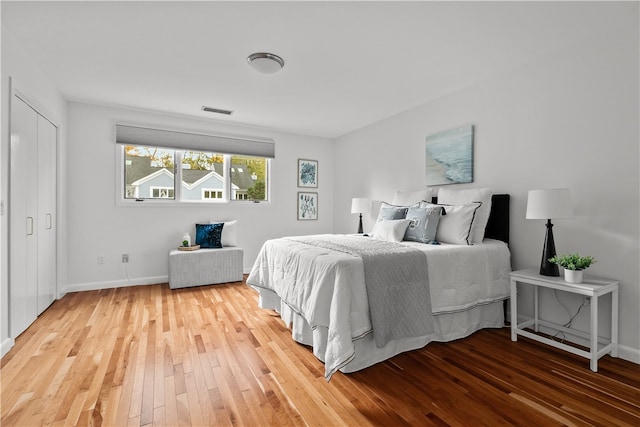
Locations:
column 205, row 267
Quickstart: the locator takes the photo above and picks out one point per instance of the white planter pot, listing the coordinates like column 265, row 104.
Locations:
column 573, row 276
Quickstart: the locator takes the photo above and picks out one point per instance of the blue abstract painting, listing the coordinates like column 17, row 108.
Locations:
column 307, row 173
column 449, row 156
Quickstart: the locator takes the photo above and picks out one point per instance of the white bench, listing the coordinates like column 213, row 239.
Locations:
column 205, row 267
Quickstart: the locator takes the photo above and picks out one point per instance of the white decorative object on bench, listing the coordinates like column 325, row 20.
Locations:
column 205, row 267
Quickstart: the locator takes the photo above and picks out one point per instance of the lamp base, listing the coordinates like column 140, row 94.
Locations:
column 549, row 251
column 360, row 229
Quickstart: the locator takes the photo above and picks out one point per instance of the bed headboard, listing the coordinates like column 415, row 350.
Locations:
column 498, row 225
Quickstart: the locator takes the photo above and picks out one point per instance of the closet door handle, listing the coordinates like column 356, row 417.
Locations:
column 29, row 226
column 49, row 221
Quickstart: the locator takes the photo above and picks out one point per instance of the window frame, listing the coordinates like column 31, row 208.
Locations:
column 122, row 200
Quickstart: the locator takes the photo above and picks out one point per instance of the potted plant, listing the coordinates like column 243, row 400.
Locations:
column 185, row 243
column 573, row 265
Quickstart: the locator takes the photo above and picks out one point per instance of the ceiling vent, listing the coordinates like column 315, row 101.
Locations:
column 216, row 110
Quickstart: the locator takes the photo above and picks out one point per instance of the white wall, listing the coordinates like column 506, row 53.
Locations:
column 100, row 228
column 26, row 73
column 567, row 120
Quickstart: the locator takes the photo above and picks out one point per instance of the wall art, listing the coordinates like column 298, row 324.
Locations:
column 449, row 156
column 307, row 206
column 307, row 173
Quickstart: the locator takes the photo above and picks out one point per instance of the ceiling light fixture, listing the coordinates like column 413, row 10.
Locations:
column 266, row 63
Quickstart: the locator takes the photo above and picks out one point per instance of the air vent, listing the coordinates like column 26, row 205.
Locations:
column 216, row 110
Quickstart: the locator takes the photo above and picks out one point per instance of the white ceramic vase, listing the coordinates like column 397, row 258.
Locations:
column 573, row 276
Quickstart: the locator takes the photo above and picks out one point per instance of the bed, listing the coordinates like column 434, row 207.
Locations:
column 358, row 301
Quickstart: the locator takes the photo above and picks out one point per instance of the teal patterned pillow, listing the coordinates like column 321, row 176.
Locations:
column 423, row 225
column 209, row 235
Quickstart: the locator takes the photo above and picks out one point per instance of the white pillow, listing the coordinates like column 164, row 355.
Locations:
column 228, row 232
column 461, row 197
column 391, row 230
column 455, row 224
column 406, row 198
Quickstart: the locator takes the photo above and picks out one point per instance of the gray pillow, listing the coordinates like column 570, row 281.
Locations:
column 423, row 225
column 388, row 211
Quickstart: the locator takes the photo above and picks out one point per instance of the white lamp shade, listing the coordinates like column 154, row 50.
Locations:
column 360, row 205
column 549, row 204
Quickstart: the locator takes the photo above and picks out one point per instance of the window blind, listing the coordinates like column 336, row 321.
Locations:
column 137, row 135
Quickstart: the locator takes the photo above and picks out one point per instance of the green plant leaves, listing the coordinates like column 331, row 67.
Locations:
column 573, row 261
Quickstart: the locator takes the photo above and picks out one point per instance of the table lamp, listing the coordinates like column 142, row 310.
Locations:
column 360, row 205
column 548, row 204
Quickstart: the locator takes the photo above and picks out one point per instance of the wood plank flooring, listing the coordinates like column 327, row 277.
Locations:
column 148, row 355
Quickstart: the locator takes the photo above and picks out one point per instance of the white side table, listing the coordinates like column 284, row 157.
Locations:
column 591, row 287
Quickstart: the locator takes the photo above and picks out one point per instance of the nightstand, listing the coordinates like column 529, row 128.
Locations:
column 591, row 287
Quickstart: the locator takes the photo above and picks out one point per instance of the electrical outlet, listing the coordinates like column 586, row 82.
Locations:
column 125, row 258
column 100, row 259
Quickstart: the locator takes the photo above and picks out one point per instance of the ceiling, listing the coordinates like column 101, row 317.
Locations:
column 348, row 64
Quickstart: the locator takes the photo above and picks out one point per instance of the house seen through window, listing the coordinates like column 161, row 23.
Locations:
column 151, row 173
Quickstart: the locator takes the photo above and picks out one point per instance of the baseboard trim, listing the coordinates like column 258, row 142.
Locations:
column 6, row 345
column 629, row 353
column 94, row 286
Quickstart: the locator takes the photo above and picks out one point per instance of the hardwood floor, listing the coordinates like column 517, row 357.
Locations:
column 148, row 355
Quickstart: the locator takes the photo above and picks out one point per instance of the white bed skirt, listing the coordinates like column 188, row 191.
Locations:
column 448, row 327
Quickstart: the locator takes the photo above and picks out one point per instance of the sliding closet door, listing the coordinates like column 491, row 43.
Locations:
column 32, row 220
column 23, row 245
column 47, row 160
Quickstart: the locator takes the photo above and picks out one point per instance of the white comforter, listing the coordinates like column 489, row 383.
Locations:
column 327, row 287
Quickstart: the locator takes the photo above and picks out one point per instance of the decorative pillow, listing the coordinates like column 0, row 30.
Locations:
column 391, row 230
column 228, row 232
column 406, row 198
column 461, row 197
column 388, row 211
column 455, row 223
column 209, row 235
column 423, row 225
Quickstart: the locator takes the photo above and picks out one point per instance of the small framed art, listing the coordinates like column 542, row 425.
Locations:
column 307, row 206
column 307, row 173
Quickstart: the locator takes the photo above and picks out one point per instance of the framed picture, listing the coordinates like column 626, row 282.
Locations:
column 307, row 206
column 449, row 156
column 307, row 173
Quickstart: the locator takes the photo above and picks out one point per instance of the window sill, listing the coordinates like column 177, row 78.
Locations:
column 173, row 203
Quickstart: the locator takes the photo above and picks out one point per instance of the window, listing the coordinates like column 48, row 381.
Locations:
column 162, row 193
column 150, row 173
column 211, row 194
column 172, row 166
column 250, row 173
column 203, row 176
